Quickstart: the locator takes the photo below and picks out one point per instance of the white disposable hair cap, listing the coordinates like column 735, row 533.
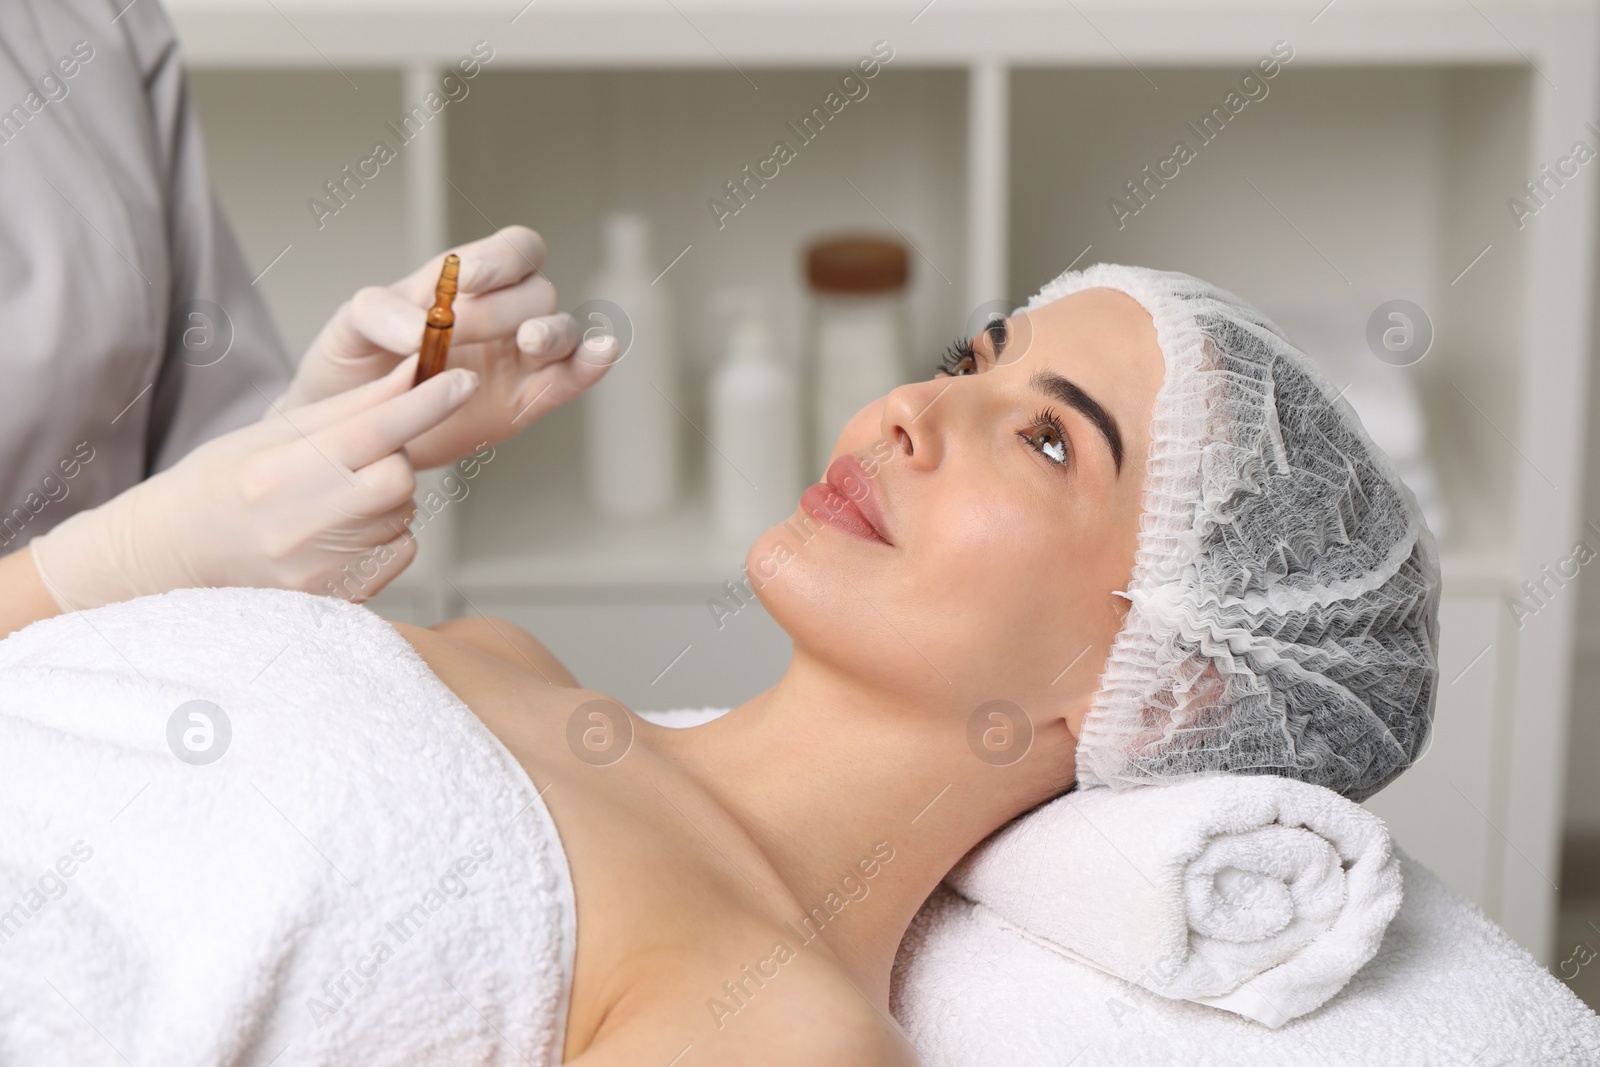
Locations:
column 1283, row 610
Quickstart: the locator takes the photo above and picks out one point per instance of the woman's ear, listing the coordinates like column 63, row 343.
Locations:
column 1205, row 689
column 1192, row 709
column 1205, row 706
column 1073, row 709
column 1069, row 713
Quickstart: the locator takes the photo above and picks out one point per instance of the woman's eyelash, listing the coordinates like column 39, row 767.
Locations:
column 954, row 354
column 1047, row 420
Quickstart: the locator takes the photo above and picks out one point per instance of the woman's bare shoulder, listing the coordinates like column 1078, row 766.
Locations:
column 500, row 638
column 796, row 1017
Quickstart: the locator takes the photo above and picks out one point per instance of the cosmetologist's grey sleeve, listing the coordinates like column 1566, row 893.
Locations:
column 224, row 358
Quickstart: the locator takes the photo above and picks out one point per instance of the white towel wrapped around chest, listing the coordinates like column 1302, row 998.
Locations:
column 363, row 875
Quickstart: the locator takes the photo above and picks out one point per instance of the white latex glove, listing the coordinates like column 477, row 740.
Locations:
column 505, row 330
column 301, row 500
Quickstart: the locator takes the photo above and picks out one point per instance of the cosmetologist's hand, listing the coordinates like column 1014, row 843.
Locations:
column 301, row 500
column 527, row 356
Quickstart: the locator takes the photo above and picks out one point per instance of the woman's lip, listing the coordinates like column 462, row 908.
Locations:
column 824, row 501
column 847, row 470
column 850, row 480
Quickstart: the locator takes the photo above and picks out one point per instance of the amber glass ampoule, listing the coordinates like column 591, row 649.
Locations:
column 436, row 334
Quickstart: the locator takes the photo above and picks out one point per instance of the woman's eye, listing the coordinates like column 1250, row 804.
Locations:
column 1047, row 438
column 959, row 359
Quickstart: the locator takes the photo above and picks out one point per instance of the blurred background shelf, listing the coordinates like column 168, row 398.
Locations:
column 555, row 538
column 557, row 542
column 626, row 33
column 1377, row 167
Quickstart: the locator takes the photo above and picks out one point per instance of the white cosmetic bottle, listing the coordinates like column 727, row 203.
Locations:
column 754, row 470
column 858, row 330
column 632, row 426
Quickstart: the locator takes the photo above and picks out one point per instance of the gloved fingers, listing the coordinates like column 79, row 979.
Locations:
column 560, row 381
column 311, row 418
column 296, row 497
column 364, row 538
column 499, row 314
column 587, row 365
column 385, row 318
column 500, row 259
column 367, row 436
column 377, row 316
column 379, row 323
column 503, row 258
column 374, row 317
column 547, row 338
column 396, row 522
column 387, row 486
column 387, row 561
column 343, row 544
column 596, row 351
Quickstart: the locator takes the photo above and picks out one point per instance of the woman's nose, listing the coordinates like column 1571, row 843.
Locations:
column 911, row 422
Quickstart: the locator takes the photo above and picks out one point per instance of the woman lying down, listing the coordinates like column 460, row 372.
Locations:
column 1130, row 527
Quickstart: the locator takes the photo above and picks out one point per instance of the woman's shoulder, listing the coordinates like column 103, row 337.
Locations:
column 500, row 638
column 786, row 1006
column 824, row 1018
column 677, row 948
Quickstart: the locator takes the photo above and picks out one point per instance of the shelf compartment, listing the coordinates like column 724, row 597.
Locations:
column 1309, row 203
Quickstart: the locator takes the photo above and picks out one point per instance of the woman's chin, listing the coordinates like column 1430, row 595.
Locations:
column 776, row 548
column 789, row 554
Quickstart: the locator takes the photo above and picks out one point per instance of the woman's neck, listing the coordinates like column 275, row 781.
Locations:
column 860, row 800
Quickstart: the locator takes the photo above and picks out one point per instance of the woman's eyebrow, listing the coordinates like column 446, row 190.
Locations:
column 999, row 332
column 1054, row 385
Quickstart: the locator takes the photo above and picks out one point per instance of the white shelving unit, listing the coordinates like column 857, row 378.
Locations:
column 1377, row 167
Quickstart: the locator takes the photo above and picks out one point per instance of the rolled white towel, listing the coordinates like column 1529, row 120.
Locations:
column 1252, row 893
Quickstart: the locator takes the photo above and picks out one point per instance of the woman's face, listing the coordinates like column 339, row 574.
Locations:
column 986, row 517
